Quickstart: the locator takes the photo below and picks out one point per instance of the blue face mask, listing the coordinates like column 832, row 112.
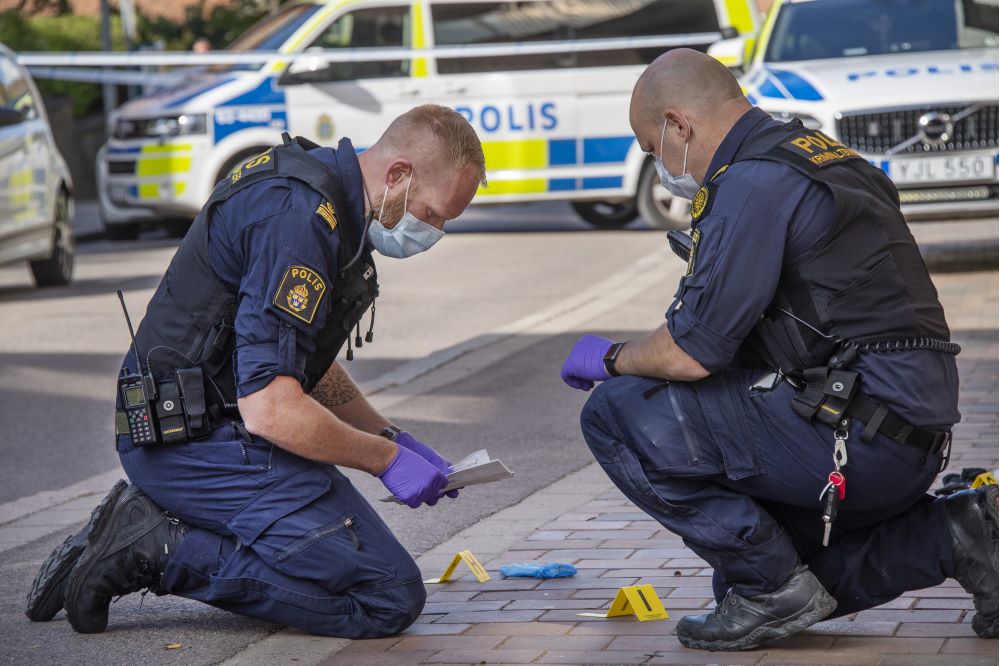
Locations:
column 684, row 185
column 410, row 236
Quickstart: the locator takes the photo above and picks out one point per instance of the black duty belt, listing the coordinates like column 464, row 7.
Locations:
column 831, row 394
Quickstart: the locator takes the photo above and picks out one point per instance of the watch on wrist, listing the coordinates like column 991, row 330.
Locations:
column 611, row 356
column 390, row 432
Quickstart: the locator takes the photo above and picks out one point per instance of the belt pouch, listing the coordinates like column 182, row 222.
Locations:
column 192, row 389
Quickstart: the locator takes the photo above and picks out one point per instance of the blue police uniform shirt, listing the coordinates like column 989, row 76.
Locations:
column 764, row 215
column 255, row 238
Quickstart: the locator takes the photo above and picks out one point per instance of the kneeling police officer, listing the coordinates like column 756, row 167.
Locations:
column 236, row 499
column 790, row 415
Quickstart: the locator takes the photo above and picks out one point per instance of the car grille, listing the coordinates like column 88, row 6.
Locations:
column 876, row 133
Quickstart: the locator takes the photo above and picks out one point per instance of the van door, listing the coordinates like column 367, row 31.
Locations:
column 354, row 99
column 555, row 125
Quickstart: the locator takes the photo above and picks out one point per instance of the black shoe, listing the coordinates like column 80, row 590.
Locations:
column 972, row 521
column 128, row 549
column 743, row 623
column 45, row 598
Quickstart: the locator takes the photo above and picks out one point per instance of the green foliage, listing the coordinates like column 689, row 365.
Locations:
column 59, row 33
column 66, row 32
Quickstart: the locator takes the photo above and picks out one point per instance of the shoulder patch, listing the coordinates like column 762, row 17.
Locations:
column 299, row 293
column 327, row 212
column 819, row 148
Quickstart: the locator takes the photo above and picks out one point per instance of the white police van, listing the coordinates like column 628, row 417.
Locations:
column 553, row 125
column 910, row 84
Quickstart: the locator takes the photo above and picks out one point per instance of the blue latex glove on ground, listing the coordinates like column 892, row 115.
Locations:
column 412, row 480
column 408, row 441
column 532, row 570
column 585, row 363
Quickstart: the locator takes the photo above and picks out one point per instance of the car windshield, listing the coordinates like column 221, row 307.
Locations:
column 270, row 33
column 847, row 28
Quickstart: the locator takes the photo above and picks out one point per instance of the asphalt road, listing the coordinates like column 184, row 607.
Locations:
column 500, row 274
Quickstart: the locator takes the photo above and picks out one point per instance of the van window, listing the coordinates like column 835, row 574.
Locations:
column 558, row 20
column 384, row 27
column 269, row 34
column 853, row 28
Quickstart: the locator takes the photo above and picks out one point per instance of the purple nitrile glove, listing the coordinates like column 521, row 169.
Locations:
column 585, row 363
column 412, row 480
column 410, row 442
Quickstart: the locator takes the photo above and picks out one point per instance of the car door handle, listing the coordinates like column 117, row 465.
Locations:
column 455, row 90
column 406, row 91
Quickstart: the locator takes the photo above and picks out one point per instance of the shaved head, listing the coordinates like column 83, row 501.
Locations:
column 688, row 98
column 686, row 79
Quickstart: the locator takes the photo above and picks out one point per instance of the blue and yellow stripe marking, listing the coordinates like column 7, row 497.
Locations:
column 525, row 154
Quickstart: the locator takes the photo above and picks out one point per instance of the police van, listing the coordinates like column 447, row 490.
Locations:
column 554, row 126
column 912, row 85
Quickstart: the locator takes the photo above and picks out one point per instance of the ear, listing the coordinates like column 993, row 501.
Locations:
column 399, row 169
column 677, row 123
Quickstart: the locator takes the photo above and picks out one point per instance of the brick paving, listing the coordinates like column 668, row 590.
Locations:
column 612, row 543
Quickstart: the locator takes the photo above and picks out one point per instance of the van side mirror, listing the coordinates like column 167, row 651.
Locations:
column 308, row 70
column 730, row 52
column 10, row 116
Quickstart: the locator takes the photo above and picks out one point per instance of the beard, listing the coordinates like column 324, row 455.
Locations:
column 391, row 211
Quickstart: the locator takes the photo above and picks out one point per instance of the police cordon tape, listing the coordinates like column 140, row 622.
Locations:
column 54, row 64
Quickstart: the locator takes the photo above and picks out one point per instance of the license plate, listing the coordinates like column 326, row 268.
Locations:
column 954, row 168
column 118, row 193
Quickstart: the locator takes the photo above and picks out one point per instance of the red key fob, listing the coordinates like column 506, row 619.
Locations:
column 840, row 481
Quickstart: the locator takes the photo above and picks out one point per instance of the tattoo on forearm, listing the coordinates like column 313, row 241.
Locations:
column 335, row 389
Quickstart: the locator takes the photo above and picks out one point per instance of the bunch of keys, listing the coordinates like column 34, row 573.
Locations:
column 836, row 488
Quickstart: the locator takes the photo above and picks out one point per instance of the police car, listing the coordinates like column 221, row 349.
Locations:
column 553, row 125
column 912, row 85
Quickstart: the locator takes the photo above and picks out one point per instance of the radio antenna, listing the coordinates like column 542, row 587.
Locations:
column 131, row 332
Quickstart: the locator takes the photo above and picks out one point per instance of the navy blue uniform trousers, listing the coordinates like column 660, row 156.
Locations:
column 738, row 475
column 277, row 537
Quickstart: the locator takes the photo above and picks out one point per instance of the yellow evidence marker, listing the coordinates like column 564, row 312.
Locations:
column 639, row 600
column 984, row 479
column 465, row 556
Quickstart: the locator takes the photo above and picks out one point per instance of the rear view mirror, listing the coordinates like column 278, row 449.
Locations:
column 10, row 116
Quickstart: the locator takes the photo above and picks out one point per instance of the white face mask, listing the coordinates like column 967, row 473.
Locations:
column 684, row 185
column 410, row 236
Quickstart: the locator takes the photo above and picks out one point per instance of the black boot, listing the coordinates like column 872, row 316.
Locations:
column 45, row 598
column 128, row 549
column 740, row 623
column 972, row 522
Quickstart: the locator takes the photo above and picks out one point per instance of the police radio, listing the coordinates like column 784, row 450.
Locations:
column 138, row 392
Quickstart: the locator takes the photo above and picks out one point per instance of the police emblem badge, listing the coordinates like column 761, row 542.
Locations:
column 298, row 297
column 299, row 293
column 699, row 202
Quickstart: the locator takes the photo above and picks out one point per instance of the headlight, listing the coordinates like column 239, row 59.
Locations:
column 141, row 128
column 811, row 122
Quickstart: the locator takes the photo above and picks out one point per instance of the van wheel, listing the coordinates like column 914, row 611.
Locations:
column 659, row 208
column 177, row 228
column 57, row 269
column 606, row 215
column 121, row 232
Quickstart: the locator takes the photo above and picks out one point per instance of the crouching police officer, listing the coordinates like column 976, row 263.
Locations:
column 791, row 413
column 239, row 503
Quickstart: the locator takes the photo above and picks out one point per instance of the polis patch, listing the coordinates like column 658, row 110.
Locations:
column 819, row 148
column 299, row 293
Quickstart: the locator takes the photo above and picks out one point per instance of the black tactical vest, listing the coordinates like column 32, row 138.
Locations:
column 189, row 321
column 864, row 285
